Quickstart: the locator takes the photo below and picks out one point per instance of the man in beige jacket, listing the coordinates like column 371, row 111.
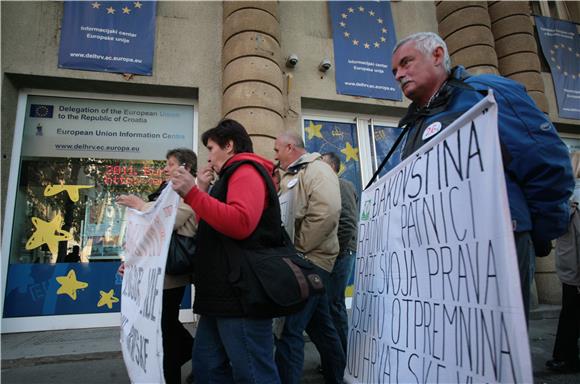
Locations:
column 317, row 210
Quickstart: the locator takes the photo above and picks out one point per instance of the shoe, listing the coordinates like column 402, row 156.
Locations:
column 562, row 366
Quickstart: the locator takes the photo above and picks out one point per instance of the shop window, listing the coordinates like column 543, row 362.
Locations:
column 66, row 231
column 361, row 143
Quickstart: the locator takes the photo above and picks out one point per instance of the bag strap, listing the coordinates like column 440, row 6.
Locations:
column 386, row 159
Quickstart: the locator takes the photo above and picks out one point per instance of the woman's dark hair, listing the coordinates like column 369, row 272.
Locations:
column 184, row 156
column 227, row 130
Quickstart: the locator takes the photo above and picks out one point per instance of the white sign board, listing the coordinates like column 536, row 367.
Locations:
column 437, row 294
column 287, row 211
column 112, row 129
column 147, row 243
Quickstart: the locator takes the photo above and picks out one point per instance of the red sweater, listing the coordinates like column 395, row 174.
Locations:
column 247, row 195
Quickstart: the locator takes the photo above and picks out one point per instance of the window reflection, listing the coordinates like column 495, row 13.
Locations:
column 64, row 203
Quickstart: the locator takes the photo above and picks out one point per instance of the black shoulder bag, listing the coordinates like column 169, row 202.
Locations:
column 275, row 280
column 180, row 255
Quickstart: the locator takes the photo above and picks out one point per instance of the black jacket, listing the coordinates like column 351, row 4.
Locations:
column 217, row 256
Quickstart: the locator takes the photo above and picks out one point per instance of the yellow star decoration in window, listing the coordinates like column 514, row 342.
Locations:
column 49, row 233
column 69, row 284
column 111, row 10
column 137, row 4
column 341, row 169
column 96, row 5
column 313, row 130
column 350, row 152
column 126, row 10
column 72, row 190
column 107, row 299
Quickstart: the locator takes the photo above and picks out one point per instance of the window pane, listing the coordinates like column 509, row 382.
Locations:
column 67, row 236
column 340, row 138
column 385, row 137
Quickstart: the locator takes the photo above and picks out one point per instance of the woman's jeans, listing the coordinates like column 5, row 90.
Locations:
column 228, row 350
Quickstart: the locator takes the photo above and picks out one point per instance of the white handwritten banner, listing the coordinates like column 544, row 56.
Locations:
column 147, row 243
column 287, row 211
column 437, row 293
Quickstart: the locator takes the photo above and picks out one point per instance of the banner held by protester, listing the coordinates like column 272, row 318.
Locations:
column 437, row 295
column 147, row 243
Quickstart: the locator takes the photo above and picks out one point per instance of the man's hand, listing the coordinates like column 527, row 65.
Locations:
column 542, row 247
column 182, row 181
column 130, row 201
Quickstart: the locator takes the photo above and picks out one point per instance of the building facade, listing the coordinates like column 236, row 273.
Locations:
column 211, row 60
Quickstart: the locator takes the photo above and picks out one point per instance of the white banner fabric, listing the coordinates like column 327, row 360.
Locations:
column 437, row 293
column 146, row 246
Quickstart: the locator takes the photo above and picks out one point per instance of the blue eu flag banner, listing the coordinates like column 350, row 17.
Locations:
column 364, row 37
column 108, row 36
column 560, row 43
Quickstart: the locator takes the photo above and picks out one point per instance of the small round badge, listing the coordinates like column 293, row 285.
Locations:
column 431, row 130
column 292, row 183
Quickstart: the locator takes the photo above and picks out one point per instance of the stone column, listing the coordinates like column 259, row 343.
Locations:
column 252, row 80
column 466, row 28
column 516, row 47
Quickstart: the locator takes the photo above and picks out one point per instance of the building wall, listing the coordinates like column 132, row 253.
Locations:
column 306, row 31
column 186, row 62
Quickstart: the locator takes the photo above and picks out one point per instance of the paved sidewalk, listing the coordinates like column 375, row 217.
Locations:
column 93, row 355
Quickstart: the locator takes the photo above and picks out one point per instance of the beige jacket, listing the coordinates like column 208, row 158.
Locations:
column 186, row 225
column 316, row 208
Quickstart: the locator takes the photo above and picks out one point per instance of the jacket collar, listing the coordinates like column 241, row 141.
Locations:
column 302, row 161
column 455, row 80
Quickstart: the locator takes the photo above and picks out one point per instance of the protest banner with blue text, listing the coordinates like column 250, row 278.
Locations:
column 437, row 298
column 147, row 243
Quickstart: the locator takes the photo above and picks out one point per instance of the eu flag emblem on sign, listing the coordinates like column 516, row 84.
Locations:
column 108, row 36
column 41, row 110
column 364, row 36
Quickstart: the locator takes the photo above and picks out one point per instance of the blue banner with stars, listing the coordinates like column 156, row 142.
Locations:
column 340, row 138
column 65, row 289
column 364, row 37
column 108, row 36
column 560, row 43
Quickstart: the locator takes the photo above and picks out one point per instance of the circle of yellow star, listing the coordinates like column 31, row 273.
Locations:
column 69, row 284
column 107, row 299
column 313, row 130
column 350, row 152
column 111, row 10
column 344, row 17
column 126, row 10
column 96, row 5
column 137, row 4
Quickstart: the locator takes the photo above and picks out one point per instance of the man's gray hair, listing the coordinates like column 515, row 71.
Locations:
column 427, row 42
column 292, row 138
